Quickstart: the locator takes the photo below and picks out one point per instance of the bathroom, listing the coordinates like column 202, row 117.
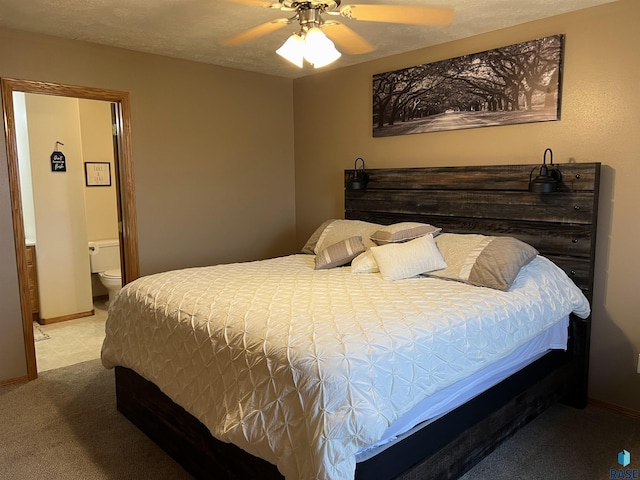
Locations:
column 69, row 203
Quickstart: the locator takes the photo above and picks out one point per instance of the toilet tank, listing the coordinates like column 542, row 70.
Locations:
column 104, row 255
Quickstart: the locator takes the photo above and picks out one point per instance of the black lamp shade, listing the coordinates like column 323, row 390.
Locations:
column 358, row 179
column 548, row 181
column 543, row 184
column 356, row 184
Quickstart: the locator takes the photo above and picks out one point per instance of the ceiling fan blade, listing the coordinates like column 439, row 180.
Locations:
column 258, row 3
column 256, row 32
column 346, row 39
column 411, row 15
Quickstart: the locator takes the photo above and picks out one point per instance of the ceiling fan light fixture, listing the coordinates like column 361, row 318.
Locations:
column 293, row 50
column 319, row 49
column 313, row 46
column 310, row 43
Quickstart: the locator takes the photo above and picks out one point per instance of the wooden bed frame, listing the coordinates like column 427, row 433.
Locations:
column 492, row 200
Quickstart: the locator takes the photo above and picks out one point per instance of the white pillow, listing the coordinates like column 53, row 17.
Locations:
column 364, row 263
column 397, row 261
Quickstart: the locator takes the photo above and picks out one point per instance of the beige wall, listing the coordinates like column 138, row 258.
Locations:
column 600, row 123
column 97, row 146
column 101, row 206
column 12, row 354
column 24, row 166
column 64, row 279
column 213, row 160
column 214, row 168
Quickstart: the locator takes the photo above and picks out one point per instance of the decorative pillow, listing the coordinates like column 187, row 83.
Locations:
column 364, row 263
column 339, row 230
column 340, row 253
column 313, row 239
column 481, row 260
column 397, row 261
column 403, row 232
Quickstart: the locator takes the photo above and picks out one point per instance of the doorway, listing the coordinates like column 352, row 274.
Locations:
column 125, row 191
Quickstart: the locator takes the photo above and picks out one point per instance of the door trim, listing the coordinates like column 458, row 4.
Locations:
column 125, row 188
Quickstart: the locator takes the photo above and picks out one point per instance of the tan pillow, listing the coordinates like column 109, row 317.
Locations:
column 339, row 230
column 481, row 260
column 397, row 261
column 340, row 253
column 313, row 239
column 403, row 232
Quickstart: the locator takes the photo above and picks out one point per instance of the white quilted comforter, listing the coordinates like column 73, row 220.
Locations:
column 302, row 367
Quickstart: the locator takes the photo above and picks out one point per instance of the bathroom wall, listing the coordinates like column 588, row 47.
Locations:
column 24, row 161
column 59, row 207
column 97, row 146
column 101, row 208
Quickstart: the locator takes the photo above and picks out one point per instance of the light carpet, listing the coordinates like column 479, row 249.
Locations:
column 65, row 425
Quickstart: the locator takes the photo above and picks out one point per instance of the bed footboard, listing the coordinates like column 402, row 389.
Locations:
column 181, row 435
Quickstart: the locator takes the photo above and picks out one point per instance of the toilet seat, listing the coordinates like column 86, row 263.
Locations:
column 116, row 273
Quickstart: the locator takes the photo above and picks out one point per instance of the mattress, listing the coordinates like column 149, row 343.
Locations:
column 303, row 367
column 443, row 401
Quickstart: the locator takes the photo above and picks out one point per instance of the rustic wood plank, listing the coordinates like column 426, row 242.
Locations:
column 559, row 207
column 147, row 407
column 453, row 444
column 572, row 240
column 575, row 177
column 577, row 269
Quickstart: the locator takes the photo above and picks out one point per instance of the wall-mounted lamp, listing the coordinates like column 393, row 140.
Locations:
column 549, row 178
column 358, row 179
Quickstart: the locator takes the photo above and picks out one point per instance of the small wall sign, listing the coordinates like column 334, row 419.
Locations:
column 58, row 162
column 97, row 174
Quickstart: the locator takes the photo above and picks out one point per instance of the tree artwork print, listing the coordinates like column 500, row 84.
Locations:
column 520, row 83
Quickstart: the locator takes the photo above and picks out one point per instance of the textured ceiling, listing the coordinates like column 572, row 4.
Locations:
column 193, row 29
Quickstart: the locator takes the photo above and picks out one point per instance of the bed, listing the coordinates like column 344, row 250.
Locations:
column 333, row 359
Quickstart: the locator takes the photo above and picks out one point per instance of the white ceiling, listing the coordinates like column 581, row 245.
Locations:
column 193, row 29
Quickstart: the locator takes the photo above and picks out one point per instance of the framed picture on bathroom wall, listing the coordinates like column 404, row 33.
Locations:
column 97, row 174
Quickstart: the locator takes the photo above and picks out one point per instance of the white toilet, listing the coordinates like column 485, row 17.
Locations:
column 104, row 256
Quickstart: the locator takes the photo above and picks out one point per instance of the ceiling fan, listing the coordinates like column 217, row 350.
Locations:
column 313, row 42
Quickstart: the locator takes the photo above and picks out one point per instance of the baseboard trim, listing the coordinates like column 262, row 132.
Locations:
column 64, row 318
column 14, row 381
column 627, row 412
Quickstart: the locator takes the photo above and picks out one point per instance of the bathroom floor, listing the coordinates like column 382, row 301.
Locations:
column 74, row 341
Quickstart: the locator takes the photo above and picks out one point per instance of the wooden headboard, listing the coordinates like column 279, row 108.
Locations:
column 492, row 200
column 495, row 200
